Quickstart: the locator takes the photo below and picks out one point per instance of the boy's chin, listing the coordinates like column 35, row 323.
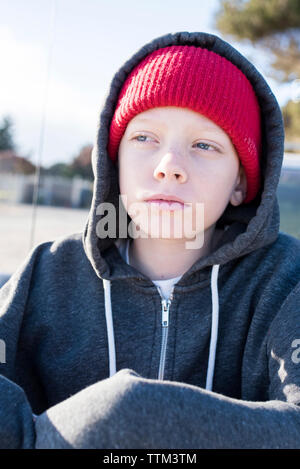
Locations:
column 168, row 235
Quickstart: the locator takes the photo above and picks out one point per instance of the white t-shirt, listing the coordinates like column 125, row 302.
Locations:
column 165, row 287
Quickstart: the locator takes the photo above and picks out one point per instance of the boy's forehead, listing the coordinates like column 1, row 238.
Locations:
column 165, row 116
column 141, row 118
column 160, row 111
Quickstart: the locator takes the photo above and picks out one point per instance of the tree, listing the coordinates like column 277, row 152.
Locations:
column 12, row 163
column 6, row 137
column 58, row 169
column 82, row 164
column 273, row 25
column 291, row 116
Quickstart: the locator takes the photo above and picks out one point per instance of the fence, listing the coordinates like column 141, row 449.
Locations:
column 53, row 190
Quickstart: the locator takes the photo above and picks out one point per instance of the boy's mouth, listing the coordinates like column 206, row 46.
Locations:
column 165, row 202
column 164, row 197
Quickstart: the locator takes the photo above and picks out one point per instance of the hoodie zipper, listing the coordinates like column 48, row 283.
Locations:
column 165, row 328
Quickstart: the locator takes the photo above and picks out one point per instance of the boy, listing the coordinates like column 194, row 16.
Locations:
column 143, row 340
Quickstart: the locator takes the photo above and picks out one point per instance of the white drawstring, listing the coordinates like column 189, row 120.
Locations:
column 110, row 328
column 213, row 336
column 214, row 327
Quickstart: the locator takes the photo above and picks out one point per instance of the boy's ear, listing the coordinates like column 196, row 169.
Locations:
column 240, row 190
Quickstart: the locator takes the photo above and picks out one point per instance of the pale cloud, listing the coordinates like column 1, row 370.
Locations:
column 70, row 113
column 22, row 86
column 23, row 73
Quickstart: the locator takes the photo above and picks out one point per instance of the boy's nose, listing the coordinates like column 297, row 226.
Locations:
column 170, row 168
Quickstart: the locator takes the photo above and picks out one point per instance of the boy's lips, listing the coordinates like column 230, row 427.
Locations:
column 164, row 197
column 165, row 202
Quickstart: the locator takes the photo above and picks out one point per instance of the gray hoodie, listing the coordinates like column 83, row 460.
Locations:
column 88, row 361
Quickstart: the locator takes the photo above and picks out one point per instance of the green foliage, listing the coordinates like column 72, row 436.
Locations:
column 59, row 169
column 289, row 218
column 288, row 194
column 85, row 172
column 256, row 19
column 80, row 166
column 288, row 197
column 82, row 163
column 291, row 116
column 6, row 136
column 273, row 25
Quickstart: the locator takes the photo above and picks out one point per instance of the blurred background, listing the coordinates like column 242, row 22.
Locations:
column 57, row 60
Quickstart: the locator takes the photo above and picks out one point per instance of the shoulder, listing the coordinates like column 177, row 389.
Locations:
column 46, row 253
column 285, row 240
column 285, row 326
column 272, row 271
column 281, row 254
column 284, row 253
column 61, row 271
column 68, row 245
column 61, row 255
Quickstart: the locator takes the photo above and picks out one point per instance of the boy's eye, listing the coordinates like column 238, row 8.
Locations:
column 141, row 138
column 204, row 146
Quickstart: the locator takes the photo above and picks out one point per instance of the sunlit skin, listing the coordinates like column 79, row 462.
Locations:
column 177, row 151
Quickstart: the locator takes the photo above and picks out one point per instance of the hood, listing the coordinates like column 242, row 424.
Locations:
column 246, row 227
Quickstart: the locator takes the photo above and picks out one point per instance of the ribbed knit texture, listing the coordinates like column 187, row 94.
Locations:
column 203, row 81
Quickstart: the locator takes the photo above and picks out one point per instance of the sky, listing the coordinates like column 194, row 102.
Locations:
column 58, row 58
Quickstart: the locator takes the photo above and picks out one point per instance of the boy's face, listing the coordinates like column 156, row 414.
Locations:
column 172, row 150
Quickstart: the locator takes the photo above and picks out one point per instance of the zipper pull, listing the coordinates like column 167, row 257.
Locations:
column 165, row 313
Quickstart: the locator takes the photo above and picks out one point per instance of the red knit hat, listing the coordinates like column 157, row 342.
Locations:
column 203, row 81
